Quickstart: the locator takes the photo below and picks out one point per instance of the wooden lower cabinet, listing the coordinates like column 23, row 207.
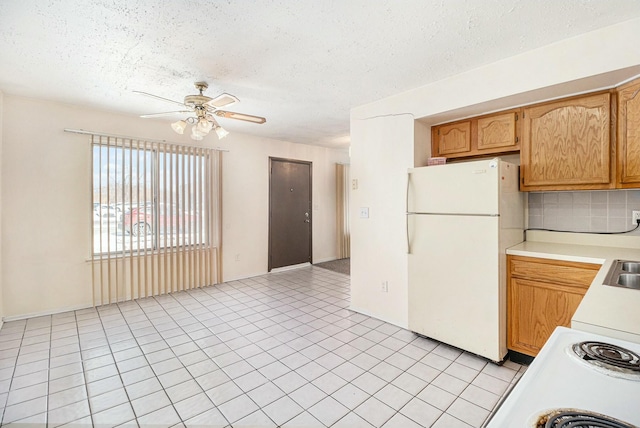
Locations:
column 542, row 295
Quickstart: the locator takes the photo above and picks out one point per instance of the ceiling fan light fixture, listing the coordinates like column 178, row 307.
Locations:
column 197, row 135
column 204, row 126
column 179, row 126
column 203, row 108
column 221, row 132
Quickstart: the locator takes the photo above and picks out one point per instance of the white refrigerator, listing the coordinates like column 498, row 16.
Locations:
column 460, row 219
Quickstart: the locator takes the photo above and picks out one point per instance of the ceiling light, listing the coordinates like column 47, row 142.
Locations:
column 196, row 134
column 221, row 132
column 179, row 126
column 204, row 126
column 204, row 109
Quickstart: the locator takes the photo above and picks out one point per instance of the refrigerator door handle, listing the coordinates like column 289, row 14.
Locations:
column 406, row 206
column 406, row 194
column 408, row 243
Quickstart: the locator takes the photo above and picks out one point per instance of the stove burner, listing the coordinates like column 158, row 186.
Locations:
column 609, row 356
column 564, row 418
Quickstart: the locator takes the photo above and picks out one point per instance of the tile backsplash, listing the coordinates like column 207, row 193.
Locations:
column 584, row 211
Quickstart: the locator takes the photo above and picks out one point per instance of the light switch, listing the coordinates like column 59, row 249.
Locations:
column 354, row 184
column 364, row 212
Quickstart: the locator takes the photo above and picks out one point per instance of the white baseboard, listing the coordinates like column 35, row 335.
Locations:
column 45, row 313
column 327, row 259
column 239, row 278
column 363, row 312
column 286, row 268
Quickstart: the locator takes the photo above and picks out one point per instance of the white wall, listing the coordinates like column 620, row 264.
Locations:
column 574, row 65
column 383, row 148
column 246, row 201
column 1, row 135
column 46, row 221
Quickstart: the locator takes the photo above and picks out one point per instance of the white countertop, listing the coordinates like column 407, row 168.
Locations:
column 606, row 310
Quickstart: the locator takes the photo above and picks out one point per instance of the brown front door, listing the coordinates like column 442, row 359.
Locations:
column 289, row 212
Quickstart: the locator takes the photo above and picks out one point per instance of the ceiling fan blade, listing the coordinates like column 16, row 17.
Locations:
column 168, row 113
column 240, row 116
column 222, row 100
column 159, row 98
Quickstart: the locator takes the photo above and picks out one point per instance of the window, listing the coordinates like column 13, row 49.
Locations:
column 156, row 218
column 147, row 198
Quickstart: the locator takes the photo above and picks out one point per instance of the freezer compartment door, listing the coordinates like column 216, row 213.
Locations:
column 456, row 292
column 461, row 188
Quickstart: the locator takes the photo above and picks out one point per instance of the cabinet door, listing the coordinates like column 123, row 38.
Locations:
column 629, row 135
column 566, row 145
column 535, row 309
column 453, row 138
column 498, row 131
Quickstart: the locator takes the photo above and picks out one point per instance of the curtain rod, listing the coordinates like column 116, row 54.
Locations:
column 150, row 140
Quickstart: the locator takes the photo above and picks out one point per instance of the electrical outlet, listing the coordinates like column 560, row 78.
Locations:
column 635, row 216
column 384, row 287
column 364, row 212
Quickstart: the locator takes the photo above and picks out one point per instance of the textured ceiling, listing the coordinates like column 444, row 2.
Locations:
column 302, row 64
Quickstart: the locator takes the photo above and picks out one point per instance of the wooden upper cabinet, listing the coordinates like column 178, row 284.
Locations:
column 566, row 145
column 588, row 142
column 497, row 132
column 628, row 166
column 452, row 138
column 480, row 136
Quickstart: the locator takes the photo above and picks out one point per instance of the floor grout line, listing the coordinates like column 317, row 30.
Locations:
column 277, row 309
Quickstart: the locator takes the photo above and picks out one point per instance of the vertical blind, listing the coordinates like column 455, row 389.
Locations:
column 342, row 211
column 156, row 218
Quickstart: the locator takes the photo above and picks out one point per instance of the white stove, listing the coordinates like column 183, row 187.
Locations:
column 573, row 378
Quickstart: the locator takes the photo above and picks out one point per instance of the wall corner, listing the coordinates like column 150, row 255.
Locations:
column 421, row 143
column 1, row 224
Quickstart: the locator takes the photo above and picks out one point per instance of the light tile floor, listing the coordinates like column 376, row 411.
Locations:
column 280, row 349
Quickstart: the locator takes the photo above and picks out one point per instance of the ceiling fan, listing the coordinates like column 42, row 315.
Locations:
column 205, row 109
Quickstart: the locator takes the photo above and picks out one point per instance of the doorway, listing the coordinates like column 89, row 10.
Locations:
column 290, row 215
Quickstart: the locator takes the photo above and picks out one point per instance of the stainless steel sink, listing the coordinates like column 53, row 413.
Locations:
column 629, row 280
column 633, row 267
column 624, row 273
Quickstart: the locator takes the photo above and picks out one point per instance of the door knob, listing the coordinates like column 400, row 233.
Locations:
column 306, row 221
